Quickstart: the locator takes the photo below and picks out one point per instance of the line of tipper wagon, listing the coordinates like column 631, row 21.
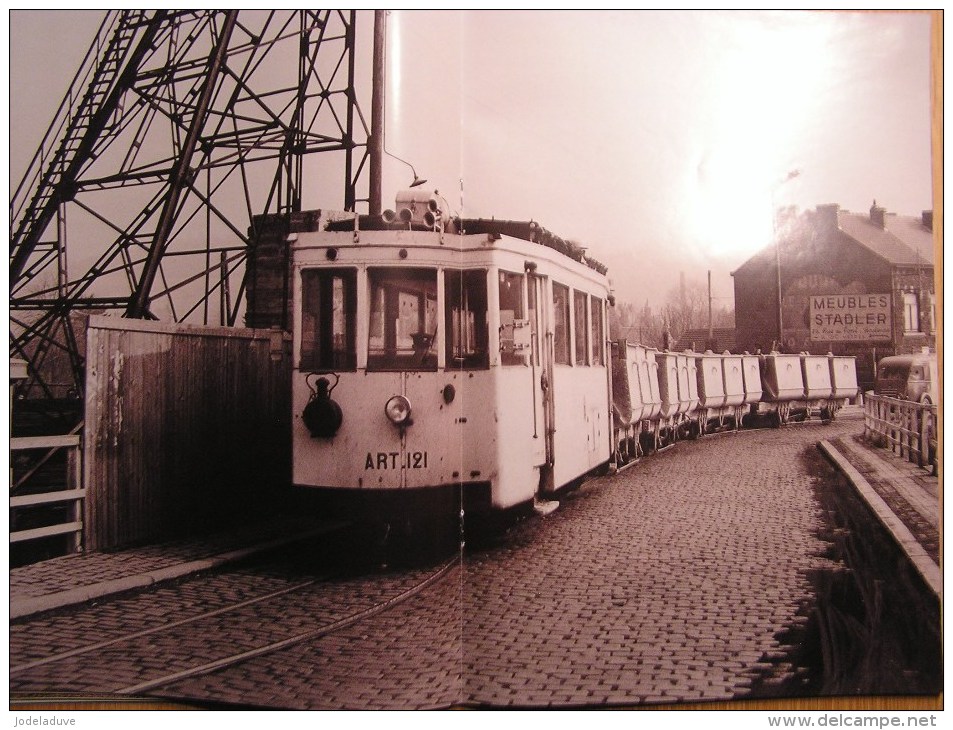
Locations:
column 660, row 396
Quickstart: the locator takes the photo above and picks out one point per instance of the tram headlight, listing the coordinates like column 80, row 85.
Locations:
column 397, row 410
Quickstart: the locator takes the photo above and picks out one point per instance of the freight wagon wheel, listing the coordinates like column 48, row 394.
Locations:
column 648, row 441
column 776, row 419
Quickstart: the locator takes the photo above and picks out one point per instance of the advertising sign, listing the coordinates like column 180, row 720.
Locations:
column 850, row 317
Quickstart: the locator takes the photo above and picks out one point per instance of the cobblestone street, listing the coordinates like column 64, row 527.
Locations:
column 670, row 581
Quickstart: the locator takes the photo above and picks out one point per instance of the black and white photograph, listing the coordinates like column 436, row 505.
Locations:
column 401, row 360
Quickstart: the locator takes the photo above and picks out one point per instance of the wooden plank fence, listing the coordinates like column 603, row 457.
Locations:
column 907, row 428
column 73, row 495
column 187, row 427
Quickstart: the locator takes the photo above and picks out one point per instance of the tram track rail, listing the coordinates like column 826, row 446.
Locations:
column 16, row 669
column 432, row 578
column 437, row 576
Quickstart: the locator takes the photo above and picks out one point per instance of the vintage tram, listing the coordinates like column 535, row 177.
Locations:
column 448, row 371
column 441, row 363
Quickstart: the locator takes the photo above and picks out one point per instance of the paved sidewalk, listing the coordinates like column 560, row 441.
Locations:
column 82, row 577
column 904, row 496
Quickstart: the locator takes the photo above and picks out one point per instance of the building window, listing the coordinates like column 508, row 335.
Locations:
column 582, row 327
column 403, row 319
column 467, row 337
column 561, row 327
column 511, row 311
column 328, row 310
column 911, row 312
column 598, row 336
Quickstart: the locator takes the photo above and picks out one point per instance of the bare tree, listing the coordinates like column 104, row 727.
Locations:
column 686, row 307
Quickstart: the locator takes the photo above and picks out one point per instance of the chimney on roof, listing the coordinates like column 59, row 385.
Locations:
column 826, row 216
column 878, row 216
column 926, row 217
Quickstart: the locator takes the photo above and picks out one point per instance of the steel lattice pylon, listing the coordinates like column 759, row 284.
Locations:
column 178, row 129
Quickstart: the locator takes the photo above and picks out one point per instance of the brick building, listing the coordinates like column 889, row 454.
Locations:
column 851, row 283
column 697, row 339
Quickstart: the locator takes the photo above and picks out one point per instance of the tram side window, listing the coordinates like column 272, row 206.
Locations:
column 328, row 311
column 403, row 319
column 598, row 336
column 511, row 313
column 582, row 327
column 467, row 335
column 561, row 323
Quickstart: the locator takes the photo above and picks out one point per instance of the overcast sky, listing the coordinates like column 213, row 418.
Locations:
column 656, row 139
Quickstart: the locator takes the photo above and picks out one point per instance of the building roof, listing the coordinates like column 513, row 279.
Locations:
column 904, row 240
column 900, row 241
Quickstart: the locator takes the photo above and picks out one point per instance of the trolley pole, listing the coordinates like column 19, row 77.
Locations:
column 376, row 142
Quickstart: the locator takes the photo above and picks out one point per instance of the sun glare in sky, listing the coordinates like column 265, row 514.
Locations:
column 761, row 105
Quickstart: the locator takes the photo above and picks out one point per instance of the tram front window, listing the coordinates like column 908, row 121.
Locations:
column 467, row 334
column 329, row 306
column 403, row 319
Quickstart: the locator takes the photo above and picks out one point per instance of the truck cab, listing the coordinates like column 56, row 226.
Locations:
column 909, row 377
